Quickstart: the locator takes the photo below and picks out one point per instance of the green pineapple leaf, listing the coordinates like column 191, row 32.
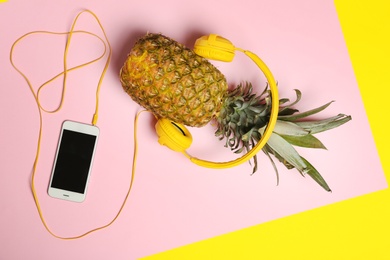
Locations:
column 307, row 141
column 287, row 112
column 289, row 128
column 313, row 173
column 323, row 125
column 286, row 151
column 282, row 101
column 304, row 114
column 267, row 151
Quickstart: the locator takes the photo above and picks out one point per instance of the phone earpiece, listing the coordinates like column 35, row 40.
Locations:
column 214, row 47
column 173, row 135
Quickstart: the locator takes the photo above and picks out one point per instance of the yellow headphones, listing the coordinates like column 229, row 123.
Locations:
column 176, row 136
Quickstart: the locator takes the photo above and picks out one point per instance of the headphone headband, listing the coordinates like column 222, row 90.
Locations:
column 218, row 48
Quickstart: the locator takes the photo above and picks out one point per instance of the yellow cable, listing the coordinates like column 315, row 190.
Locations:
column 36, row 95
column 95, row 116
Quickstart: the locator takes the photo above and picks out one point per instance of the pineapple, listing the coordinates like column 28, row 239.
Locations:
column 173, row 82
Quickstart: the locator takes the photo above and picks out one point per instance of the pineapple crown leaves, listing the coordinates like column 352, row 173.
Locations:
column 245, row 115
column 241, row 116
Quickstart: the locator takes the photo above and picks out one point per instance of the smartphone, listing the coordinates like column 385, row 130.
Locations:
column 73, row 161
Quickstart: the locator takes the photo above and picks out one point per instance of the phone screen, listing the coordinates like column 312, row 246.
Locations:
column 73, row 161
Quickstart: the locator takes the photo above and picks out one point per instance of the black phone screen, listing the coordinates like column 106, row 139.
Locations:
column 73, row 161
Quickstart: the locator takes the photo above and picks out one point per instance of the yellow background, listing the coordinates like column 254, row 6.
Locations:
column 358, row 228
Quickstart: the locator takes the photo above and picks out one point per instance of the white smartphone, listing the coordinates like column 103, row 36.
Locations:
column 73, row 161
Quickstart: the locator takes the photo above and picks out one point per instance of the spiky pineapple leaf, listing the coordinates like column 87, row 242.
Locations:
column 315, row 175
column 257, row 110
column 289, row 128
column 253, row 143
column 286, row 151
column 287, row 112
column 306, row 141
column 326, row 124
column 295, row 117
column 246, row 137
column 282, row 101
column 267, row 152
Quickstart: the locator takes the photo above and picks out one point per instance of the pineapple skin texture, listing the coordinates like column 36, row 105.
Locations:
column 173, row 82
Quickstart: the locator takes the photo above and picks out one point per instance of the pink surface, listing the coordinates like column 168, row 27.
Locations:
column 173, row 202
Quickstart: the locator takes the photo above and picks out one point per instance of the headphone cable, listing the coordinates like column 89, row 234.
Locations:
column 95, row 116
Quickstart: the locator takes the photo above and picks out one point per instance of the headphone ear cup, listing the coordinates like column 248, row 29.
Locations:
column 213, row 54
column 173, row 135
column 214, row 47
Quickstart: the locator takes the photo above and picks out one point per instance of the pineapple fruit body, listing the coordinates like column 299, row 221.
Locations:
column 173, row 82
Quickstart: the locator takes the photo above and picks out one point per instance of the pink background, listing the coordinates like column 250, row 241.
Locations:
column 173, row 202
